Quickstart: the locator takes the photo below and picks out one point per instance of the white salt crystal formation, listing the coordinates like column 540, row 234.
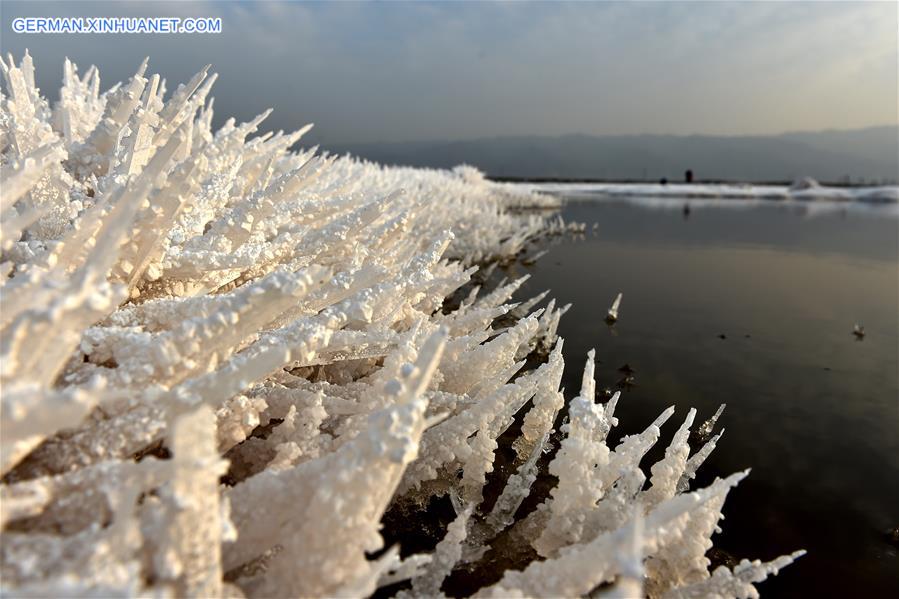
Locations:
column 223, row 362
column 612, row 315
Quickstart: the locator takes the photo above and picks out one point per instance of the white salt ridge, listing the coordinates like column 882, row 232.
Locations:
column 803, row 190
column 181, row 303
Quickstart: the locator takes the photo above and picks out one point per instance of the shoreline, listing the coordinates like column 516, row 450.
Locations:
column 812, row 192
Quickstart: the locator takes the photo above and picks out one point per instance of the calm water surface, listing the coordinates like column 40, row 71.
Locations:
column 813, row 411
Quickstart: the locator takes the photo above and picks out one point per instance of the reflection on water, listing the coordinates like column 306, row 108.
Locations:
column 755, row 308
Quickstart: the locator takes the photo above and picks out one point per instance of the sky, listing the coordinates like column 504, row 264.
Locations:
column 367, row 72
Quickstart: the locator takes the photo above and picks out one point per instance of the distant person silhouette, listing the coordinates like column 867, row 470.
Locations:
column 688, row 176
column 663, row 181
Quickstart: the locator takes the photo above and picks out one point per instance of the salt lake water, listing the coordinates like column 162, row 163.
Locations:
column 752, row 304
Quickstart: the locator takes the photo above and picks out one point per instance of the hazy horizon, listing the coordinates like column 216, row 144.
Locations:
column 869, row 155
column 400, row 72
column 643, row 134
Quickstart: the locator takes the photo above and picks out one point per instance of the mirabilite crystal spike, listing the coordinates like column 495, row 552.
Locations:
column 612, row 315
column 222, row 360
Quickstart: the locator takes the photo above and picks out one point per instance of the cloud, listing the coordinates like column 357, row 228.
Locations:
column 398, row 71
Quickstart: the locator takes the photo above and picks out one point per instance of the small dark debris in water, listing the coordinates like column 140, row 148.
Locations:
column 558, row 264
column 892, row 536
column 626, row 369
column 858, row 331
column 827, row 368
column 747, row 336
column 722, row 336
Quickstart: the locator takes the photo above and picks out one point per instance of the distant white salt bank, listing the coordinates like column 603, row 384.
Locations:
column 805, row 189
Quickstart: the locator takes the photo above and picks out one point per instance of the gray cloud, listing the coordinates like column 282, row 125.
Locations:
column 366, row 72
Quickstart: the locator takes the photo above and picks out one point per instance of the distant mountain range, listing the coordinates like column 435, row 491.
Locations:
column 860, row 155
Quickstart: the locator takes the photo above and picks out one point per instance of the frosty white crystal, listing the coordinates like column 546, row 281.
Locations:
column 223, row 362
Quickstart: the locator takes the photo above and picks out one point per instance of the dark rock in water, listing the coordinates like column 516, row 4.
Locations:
column 859, row 332
column 722, row 336
column 747, row 336
column 626, row 369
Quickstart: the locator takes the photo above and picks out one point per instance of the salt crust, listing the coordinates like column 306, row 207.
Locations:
column 223, row 361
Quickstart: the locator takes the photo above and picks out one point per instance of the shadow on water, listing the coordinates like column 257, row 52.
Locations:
column 755, row 308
